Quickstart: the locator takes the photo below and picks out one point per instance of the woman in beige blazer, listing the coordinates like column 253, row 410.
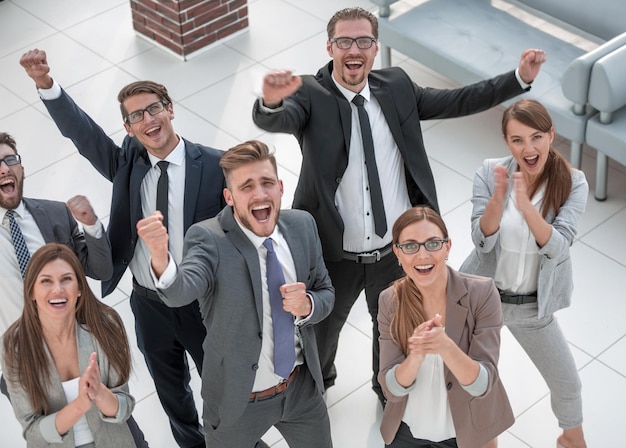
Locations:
column 67, row 360
column 439, row 346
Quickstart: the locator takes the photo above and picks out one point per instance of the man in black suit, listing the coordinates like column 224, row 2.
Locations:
column 355, row 204
column 152, row 154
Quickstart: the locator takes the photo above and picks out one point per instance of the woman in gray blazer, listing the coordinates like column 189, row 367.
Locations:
column 439, row 346
column 67, row 359
column 526, row 209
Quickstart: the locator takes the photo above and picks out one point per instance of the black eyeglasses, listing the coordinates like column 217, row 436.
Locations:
column 12, row 160
column 413, row 247
column 152, row 109
column 344, row 43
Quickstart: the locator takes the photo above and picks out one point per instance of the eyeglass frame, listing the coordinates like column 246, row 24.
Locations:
column 143, row 112
column 353, row 40
column 440, row 241
column 18, row 159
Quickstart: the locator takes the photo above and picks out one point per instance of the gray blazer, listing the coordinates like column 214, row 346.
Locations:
column 57, row 225
column 40, row 430
column 554, row 290
column 221, row 269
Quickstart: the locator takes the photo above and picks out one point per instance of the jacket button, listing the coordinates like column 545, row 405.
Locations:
column 449, row 386
column 481, row 244
column 255, row 366
column 260, row 335
column 125, row 261
column 338, row 180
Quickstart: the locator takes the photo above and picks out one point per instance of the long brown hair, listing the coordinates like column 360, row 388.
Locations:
column 409, row 301
column 557, row 174
column 24, row 343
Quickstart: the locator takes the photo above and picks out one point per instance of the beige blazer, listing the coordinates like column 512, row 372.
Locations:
column 473, row 321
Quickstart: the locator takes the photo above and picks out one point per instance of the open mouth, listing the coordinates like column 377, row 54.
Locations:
column 153, row 131
column 424, row 269
column 532, row 161
column 261, row 212
column 58, row 303
column 354, row 65
column 8, row 186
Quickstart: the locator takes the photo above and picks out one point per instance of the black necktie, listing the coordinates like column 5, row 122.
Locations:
column 282, row 321
column 161, row 201
column 21, row 250
column 376, row 194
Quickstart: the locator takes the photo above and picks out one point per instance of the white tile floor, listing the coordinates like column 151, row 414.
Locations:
column 93, row 52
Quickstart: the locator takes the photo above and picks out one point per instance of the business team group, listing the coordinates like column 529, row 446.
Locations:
column 257, row 295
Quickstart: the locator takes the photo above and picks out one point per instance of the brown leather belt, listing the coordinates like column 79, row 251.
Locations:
column 275, row 390
column 368, row 257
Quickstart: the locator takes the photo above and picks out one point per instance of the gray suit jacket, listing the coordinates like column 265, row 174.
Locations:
column 221, row 269
column 555, row 285
column 40, row 431
column 57, row 225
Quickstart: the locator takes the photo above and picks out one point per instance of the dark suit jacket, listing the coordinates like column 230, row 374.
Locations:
column 126, row 167
column 473, row 322
column 57, row 225
column 319, row 116
column 221, row 269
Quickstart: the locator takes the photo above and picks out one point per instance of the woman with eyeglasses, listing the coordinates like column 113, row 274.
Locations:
column 526, row 209
column 67, row 360
column 439, row 345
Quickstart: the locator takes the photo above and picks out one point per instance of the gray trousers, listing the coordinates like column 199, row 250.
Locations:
column 299, row 414
column 543, row 341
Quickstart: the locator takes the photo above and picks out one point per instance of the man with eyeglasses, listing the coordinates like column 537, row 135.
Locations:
column 39, row 222
column 364, row 161
column 153, row 169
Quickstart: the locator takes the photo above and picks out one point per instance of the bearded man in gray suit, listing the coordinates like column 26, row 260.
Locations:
column 225, row 267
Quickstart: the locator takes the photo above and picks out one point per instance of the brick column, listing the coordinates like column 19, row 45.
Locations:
column 186, row 26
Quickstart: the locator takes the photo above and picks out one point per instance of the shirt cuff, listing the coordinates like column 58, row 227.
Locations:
column 523, row 85
column 95, row 230
column 266, row 110
column 394, row 387
column 168, row 276
column 52, row 93
column 480, row 384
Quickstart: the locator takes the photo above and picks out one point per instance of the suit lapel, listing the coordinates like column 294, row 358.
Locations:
column 42, row 219
column 249, row 253
column 193, row 175
column 345, row 111
column 141, row 168
column 390, row 112
column 456, row 314
column 295, row 241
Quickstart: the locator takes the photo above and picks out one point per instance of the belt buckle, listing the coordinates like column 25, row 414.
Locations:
column 365, row 257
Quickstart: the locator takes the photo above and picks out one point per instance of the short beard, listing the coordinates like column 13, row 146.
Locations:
column 13, row 203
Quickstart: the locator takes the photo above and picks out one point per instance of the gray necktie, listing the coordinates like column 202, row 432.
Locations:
column 21, row 250
column 376, row 194
column 162, row 186
column 282, row 321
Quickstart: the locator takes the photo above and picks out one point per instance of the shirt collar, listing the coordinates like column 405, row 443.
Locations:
column 176, row 157
column 256, row 240
column 19, row 210
column 349, row 94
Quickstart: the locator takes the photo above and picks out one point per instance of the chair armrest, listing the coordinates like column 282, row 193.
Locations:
column 607, row 89
column 575, row 80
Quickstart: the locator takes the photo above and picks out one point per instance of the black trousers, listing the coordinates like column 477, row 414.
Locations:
column 164, row 335
column 404, row 439
column 349, row 279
